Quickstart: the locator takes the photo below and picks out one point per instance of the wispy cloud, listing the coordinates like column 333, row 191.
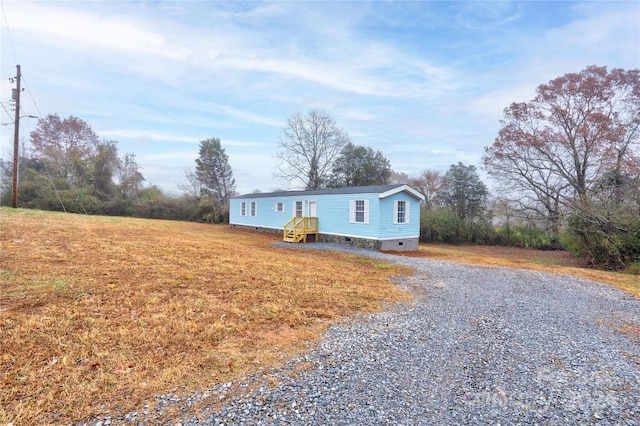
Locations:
column 615, row 32
column 243, row 114
column 76, row 28
column 150, row 135
column 424, row 82
column 145, row 135
column 487, row 15
column 360, row 66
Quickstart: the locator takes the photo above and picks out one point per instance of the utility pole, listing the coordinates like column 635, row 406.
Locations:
column 16, row 135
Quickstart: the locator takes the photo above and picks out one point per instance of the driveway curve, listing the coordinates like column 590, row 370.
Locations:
column 477, row 346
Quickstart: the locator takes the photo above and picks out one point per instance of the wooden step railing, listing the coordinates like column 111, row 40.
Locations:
column 299, row 227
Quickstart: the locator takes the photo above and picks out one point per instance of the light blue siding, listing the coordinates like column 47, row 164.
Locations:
column 333, row 211
column 389, row 229
column 266, row 214
column 334, row 217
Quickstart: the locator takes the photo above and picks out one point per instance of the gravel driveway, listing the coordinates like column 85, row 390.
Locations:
column 478, row 346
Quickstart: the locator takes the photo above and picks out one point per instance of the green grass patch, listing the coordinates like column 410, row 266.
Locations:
column 376, row 264
column 443, row 250
column 633, row 269
column 547, row 261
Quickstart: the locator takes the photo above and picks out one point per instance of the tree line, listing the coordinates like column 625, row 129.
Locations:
column 566, row 167
column 569, row 161
column 69, row 168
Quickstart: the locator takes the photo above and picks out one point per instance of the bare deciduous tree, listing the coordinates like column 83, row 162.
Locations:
column 400, row 177
column 428, row 183
column 191, row 187
column 309, row 145
column 130, row 177
column 66, row 145
column 577, row 128
column 556, row 153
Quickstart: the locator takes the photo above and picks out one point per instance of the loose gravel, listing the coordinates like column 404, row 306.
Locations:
column 477, row 346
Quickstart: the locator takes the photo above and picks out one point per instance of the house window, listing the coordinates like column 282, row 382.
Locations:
column 298, row 208
column 243, row 209
column 359, row 211
column 400, row 212
column 254, row 209
column 279, row 207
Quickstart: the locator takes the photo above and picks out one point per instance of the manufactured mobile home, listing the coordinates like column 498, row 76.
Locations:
column 384, row 217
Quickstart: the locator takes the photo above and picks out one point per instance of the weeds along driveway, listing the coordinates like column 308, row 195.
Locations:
column 478, row 346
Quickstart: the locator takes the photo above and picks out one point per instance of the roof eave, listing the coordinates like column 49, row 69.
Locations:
column 405, row 188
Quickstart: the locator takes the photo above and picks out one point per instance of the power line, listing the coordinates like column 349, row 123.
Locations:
column 4, row 15
column 19, row 108
column 15, row 54
column 32, row 98
column 14, row 202
column 7, row 111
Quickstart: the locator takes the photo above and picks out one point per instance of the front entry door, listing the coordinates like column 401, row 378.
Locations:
column 313, row 209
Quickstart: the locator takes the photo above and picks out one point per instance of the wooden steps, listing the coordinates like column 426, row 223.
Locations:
column 298, row 228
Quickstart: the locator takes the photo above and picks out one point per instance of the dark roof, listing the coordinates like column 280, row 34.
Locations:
column 374, row 189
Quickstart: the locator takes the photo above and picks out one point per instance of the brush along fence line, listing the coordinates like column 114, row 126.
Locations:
column 478, row 345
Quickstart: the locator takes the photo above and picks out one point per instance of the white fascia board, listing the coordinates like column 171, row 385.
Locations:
column 405, row 188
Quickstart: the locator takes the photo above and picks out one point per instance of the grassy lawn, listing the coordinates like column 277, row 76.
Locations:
column 99, row 314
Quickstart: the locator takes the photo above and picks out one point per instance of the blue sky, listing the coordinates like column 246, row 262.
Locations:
column 423, row 82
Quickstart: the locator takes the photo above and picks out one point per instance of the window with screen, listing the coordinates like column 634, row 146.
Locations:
column 359, row 211
column 401, row 212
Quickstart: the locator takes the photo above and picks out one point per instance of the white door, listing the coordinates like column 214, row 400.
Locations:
column 313, row 209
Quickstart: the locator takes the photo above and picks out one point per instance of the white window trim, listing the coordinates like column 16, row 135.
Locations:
column 395, row 212
column 243, row 208
column 295, row 209
column 279, row 204
column 352, row 211
column 253, row 209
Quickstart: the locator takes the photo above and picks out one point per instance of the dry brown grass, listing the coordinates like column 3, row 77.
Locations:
column 99, row 314
column 560, row 262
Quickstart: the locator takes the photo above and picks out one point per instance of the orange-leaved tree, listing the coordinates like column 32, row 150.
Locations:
column 574, row 151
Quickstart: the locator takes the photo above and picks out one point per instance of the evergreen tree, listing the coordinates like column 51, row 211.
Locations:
column 216, row 177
